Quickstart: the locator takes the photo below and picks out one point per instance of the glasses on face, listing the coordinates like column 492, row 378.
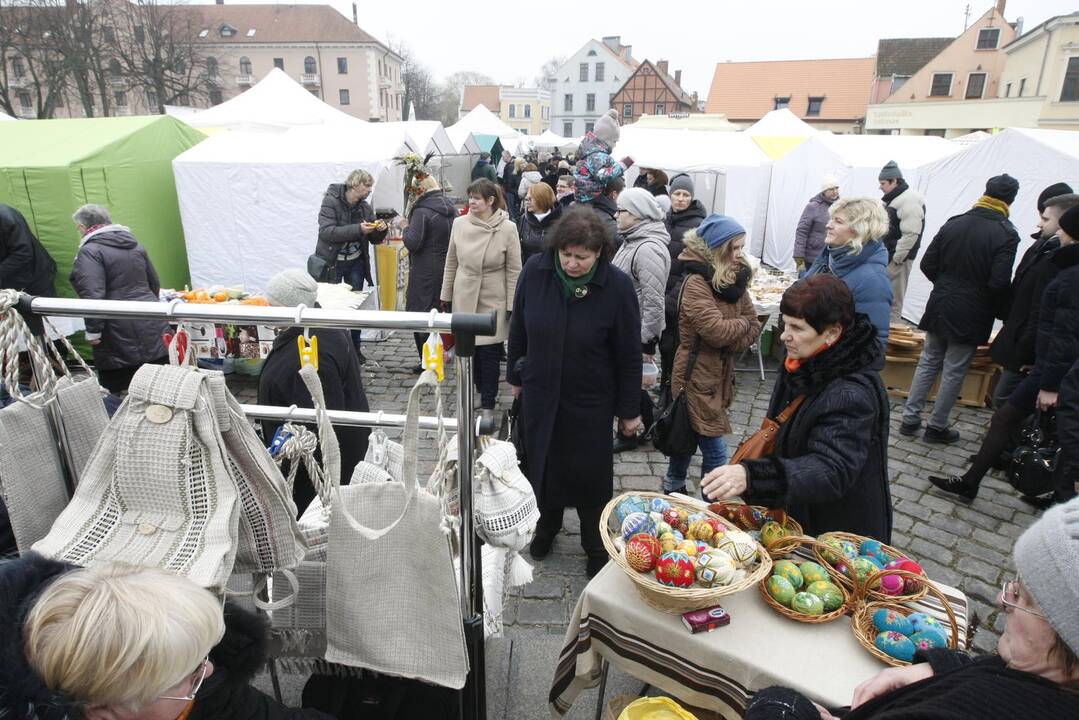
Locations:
column 1009, row 594
column 196, row 679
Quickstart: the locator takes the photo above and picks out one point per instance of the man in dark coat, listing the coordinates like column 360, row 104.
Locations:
column 427, row 237
column 1066, row 475
column 346, row 229
column 812, row 226
column 969, row 263
column 1013, row 347
column 483, row 168
column 24, row 263
column 113, row 265
column 338, row 369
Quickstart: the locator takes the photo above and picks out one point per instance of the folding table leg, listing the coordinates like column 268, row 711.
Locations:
column 605, row 668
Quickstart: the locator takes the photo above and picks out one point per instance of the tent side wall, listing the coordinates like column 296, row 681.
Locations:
column 44, row 196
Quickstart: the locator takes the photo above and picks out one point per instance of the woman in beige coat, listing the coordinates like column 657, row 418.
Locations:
column 482, row 266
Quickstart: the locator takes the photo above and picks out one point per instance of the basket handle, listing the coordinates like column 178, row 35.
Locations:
column 861, row 589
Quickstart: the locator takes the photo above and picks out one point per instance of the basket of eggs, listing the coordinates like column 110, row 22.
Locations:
column 853, row 559
column 679, row 556
column 779, row 533
column 805, row 591
column 892, row 632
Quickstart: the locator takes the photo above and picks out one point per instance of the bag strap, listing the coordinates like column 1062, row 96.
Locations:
column 13, row 328
column 692, row 361
column 788, row 412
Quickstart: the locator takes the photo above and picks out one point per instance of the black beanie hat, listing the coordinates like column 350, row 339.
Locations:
column 1002, row 187
column 1051, row 192
column 1069, row 222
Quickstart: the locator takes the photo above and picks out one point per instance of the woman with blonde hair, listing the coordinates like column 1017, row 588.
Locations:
column 854, row 251
column 123, row 642
column 716, row 321
column 541, row 211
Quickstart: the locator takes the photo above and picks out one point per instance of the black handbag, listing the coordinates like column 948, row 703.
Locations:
column 512, row 425
column 1034, row 461
column 673, row 433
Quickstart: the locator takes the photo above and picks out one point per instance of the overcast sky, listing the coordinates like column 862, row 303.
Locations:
column 512, row 40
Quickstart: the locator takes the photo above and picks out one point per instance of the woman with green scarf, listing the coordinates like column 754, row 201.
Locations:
column 574, row 360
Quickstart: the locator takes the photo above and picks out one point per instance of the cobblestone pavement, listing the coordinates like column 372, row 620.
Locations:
column 965, row 546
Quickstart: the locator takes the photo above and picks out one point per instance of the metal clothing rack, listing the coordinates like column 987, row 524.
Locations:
column 464, row 327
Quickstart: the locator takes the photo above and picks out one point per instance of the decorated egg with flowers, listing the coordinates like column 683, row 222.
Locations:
column 660, row 505
column 667, row 542
column 642, row 555
column 629, row 505
column 675, row 569
column 700, row 530
column 670, row 516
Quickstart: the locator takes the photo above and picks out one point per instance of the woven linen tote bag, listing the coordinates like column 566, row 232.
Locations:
column 392, row 601
column 157, row 490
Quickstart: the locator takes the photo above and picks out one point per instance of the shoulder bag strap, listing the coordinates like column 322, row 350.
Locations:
column 789, row 411
column 692, row 361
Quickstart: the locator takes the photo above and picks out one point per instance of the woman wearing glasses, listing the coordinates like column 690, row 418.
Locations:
column 120, row 642
column 1034, row 673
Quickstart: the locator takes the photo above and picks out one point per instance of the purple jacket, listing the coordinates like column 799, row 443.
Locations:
column 809, row 237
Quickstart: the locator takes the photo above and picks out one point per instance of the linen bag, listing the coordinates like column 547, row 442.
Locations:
column 392, row 601
column 506, row 512
column 157, row 489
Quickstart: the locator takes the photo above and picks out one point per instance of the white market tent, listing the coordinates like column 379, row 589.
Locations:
column 781, row 123
column 971, row 138
column 855, row 159
column 5, row 118
column 274, row 103
column 552, row 140
column 481, row 121
column 428, row 136
column 451, row 163
column 730, row 172
column 951, row 185
column 249, row 201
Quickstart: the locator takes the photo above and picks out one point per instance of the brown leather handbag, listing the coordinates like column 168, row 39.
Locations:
column 763, row 442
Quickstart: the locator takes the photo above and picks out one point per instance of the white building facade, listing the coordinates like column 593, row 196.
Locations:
column 586, row 82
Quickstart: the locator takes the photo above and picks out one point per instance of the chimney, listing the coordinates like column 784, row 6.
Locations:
column 355, row 15
column 661, row 65
column 627, row 53
column 1019, row 26
column 614, row 42
column 678, row 78
column 1000, row 8
column 220, row 2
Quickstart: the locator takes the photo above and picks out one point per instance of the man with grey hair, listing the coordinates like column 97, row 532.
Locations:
column 906, row 216
column 346, row 229
column 113, row 265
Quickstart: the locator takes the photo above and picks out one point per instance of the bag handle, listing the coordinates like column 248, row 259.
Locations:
column 692, row 361
column 788, row 412
column 13, row 328
column 327, row 479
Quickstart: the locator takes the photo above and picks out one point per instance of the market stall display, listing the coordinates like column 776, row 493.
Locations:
column 774, row 528
column 894, row 632
column 853, row 559
column 802, row 590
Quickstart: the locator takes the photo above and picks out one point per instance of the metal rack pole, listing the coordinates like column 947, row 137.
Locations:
column 342, row 417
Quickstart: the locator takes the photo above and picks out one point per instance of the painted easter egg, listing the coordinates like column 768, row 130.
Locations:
column 780, row 589
column 649, row 540
column 830, row 594
column 640, row 555
column 714, row 568
column 629, row 505
column 667, row 542
column 789, row 570
column 771, row 533
column 637, row 522
column 886, row 619
column 807, row 603
column 895, row 644
column 675, row 569
column 659, row 505
column 813, row 572
column 928, row 640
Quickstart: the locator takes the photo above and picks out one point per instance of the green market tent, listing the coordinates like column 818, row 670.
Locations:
column 48, row 168
column 489, row 143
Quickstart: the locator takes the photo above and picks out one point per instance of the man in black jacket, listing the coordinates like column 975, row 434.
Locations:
column 1067, row 469
column 969, row 263
column 24, row 263
column 1013, row 347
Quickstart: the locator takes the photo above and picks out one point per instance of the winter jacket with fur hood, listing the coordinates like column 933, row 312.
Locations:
column 643, row 256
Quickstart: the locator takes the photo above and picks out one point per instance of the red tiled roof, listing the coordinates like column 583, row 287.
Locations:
column 276, row 23
column 486, row 95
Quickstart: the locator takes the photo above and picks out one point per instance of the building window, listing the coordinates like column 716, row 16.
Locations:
column 591, row 53
column 140, row 34
column 342, row 97
column 941, row 85
column 279, row 63
column 227, row 31
column 1070, row 91
column 988, row 38
column 1023, row 82
column 975, row 86
column 245, row 65
column 215, row 97
column 18, row 67
column 513, row 110
column 935, row 133
column 627, row 110
column 781, row 102
column 151, row 100
column 25, row 101
column 590, row 102
column 121, row 98
column 108, row 33
column 114, row 68
column 567, row 102
column 567, row 128
column 661, row 109
column 1008, row 90
column 309, row 66
column 528, row 111
column 813, row 109
column 211, row 67
column 589, row 126
column 898, row 81
column 600, row 72
column 342, row 66
column 584, row 72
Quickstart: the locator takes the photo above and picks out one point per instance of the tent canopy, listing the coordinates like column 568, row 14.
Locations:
column 552, row 140
column 428, row 136
column 951, row 185
column 490, row 144
column 250, row 200
column 276, row 102
column 481, row 121
column 5, row 118
column 49, row 168
column 779, row 132
column 855, row 159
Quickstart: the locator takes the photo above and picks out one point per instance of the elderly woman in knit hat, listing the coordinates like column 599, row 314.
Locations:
column 812, row 226
column 644, row 257
column 338, row 369
column 716, row 321
column 1034, row 673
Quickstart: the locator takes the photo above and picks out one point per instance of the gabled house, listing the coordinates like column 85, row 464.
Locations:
column 586, row 82
column 899, row 58
column 651, row 90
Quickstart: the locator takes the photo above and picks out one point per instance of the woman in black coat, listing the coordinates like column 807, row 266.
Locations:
column 427, row 237
column 574, row 359
column 541, row 213
column 829, row 469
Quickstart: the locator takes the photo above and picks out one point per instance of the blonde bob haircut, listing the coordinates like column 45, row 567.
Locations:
column 359, row 177
column 542, row 197
column 865, row 216
column 120, row 635
column 726, row 268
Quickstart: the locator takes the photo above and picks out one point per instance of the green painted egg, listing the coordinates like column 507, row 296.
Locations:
column 789, row 570
column 862, row 567
column 813, row 572
column 833, row 552
column 780, row 589
column 772, row 532
column 829, row 593
column 807, row 604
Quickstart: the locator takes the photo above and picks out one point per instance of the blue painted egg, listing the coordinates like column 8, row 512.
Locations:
column 885, row 620
column 659, row 505
column 874, row 549
column 637, row 522
column 928, row 640
column 696, row 517
column 849, row 549
column 628, row 506
column 895, row 644
column 922, row 622
column 875, row 560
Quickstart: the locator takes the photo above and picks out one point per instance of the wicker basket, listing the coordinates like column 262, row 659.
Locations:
column 780, row 548
column 861, row 621
column 850, row 583
column 671, row 599
column 846, row 607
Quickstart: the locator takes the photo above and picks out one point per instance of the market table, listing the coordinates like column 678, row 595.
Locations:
column 718, row 670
